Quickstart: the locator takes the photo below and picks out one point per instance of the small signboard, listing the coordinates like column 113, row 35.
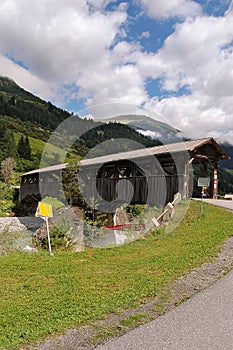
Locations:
column 203, row 182
column 45, row 209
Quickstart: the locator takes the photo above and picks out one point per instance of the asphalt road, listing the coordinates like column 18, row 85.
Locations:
column 227, row 204
column 204, row 322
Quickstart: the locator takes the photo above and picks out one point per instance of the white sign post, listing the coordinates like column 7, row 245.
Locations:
column 204, row 183
column 49, row 242
column 45, row 211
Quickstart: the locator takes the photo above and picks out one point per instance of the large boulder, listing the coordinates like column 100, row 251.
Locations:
column 66, row 223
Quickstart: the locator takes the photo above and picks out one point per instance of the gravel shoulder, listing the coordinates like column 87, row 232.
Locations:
column 101, row 331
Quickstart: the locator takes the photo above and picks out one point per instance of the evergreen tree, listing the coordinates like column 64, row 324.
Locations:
column 2, row 133
column 13, row 100
column 2, row 140
column 70, row 182
column 27, row 149
column 2, row 106
column 10, row 145
column 7, row 143
column 24, row 148
column 20, row 147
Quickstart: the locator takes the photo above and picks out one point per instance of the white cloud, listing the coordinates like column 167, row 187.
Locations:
column 59, row 40
column 197, row 47
column 81, row 48
column 99, row 4
column 174, row 8
column 123, row 84
column 187, row 114
column 199, row 55
column 25, row 79
column 230, row 7
column 145, row 34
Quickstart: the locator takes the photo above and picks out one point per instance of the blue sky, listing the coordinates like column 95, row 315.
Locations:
column 173, row 58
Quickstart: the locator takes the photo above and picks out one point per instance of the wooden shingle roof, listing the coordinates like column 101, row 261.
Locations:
column 185, row 146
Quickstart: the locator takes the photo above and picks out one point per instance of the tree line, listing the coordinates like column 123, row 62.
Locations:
column 20, row 151
column 45, row 114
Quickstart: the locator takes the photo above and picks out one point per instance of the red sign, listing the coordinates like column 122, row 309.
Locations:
column 136, row 227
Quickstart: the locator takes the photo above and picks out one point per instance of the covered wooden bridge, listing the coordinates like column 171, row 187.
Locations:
column 149, row 175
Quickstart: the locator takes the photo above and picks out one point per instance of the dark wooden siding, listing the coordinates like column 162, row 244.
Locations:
column 153, row 190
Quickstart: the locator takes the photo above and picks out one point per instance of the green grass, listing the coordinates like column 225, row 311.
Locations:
column 53, row 201
column 39, row 145
column 42, row 295
column 230, row 171
column 133, row 321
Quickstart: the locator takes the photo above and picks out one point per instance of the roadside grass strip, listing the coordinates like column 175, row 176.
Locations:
column 41, row 296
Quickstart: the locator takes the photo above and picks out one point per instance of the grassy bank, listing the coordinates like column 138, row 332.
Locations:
column 42, row 295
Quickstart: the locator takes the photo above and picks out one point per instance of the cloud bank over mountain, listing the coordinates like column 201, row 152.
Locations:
column 175, row 58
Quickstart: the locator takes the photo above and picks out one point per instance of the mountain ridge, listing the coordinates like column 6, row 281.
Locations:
column 147, row 126
column 24, row 113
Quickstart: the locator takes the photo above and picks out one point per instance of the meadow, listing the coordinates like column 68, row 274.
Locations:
column 41, row 296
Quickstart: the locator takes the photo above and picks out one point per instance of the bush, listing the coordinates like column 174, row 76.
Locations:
column 60, row 235
column 135, row 210
column 7, row 241
column 58, row 239
column 28, row 206
column 5, row 208
column 6, row 199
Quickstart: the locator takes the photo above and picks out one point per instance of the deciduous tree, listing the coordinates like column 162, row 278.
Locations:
column 7, row 169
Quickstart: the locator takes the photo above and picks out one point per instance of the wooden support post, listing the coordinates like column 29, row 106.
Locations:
column 186, row 181
column 215, row 182
column 204, row 166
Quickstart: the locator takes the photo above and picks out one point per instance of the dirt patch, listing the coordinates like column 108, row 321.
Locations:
column 88, row 337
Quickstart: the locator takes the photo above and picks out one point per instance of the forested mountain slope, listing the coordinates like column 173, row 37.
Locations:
column 28, row 121
column 22, row 113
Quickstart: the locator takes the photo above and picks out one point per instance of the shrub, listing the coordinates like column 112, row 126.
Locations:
column 135, row 210
column 60, row 235
column 28, row 206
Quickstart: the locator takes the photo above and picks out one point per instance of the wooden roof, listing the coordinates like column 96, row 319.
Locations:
column 186, row 146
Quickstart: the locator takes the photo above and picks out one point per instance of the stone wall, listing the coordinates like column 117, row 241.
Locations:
column 14, row 224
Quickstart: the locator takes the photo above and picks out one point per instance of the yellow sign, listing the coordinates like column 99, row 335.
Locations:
column 45, row 209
